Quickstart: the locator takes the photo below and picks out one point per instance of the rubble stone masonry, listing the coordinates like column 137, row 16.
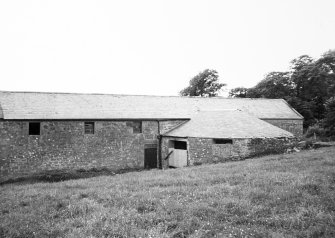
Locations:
column 165, row 126
column 293, row 126
column 64, row 145
column 204, row 150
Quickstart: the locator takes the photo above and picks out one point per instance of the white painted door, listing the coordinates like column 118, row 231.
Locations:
column 178, row 158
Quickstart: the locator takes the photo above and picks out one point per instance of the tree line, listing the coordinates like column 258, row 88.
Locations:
column 309, row 87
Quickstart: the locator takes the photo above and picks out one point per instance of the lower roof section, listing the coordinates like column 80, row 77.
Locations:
column 227, row 124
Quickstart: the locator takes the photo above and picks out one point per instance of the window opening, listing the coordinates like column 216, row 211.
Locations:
column 34, row 128
column 89, row 127
column 223, row 141
column 136, row 125
column 180, row 145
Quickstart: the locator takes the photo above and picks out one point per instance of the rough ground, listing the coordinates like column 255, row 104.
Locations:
column 290, row 195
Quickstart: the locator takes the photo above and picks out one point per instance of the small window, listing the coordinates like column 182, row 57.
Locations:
column 180, row 145
column 223, row 141
column 34, row 128
column 136, row 125
column 89, row 127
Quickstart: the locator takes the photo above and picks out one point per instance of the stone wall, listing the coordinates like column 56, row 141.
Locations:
column 263, row 146
column 204, row 150
column 165, row 126
column 293, row 126
column 63, row 145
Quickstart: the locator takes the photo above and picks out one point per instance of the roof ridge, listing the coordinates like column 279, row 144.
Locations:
column 139, row 95
column 52, row 105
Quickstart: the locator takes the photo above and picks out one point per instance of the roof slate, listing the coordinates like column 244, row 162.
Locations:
column 227, row 124
column 33, row 105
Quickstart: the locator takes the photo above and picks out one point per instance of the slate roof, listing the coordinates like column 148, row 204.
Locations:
column 227, row 124
column 36, row 105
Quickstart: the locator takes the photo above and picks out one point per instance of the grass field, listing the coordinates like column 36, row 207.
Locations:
column 291, row 195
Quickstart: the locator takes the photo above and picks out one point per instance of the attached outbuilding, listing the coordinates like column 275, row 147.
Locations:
column 55, row 131
column 217, row 136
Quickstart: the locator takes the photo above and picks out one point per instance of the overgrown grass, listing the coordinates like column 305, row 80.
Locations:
column 289, row 195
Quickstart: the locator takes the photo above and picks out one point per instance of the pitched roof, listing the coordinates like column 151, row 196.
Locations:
column 227, row 124
column 33, row 105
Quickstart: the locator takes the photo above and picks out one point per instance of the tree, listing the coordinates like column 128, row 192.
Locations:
column 301, row 61
column 307, row 87
column 327, row 64
column 205, row 84
column 239, row 92
column 314, row 81
column 274, row 85
column 329, row 122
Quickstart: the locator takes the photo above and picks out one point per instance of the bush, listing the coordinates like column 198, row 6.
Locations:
column 315, row 130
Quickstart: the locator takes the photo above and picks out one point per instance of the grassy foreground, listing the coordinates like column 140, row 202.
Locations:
column 289, row 195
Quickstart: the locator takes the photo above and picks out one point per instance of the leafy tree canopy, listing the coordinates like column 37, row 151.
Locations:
column 239, row 92
column 307, row 87
column 274, row 85
column 205, row 84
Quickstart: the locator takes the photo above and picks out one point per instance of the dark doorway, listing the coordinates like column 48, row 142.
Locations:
column 150, row 158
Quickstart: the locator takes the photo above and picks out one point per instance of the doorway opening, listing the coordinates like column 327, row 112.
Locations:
column 178, row 150
column 150, row 156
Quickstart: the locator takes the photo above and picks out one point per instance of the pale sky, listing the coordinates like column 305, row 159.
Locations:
column 154, row 47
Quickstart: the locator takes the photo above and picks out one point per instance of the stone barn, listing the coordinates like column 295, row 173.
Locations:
column 56, row 131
